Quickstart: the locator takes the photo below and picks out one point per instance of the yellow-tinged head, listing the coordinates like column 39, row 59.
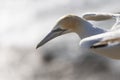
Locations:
column 70, row 22
column 65, row 25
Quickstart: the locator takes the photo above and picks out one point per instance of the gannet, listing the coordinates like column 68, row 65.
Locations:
column 88, row 33
column 72, row 23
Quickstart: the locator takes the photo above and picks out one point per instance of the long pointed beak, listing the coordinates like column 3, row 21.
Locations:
column 51, row 35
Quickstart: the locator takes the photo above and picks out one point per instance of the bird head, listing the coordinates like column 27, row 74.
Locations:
column 66, row 24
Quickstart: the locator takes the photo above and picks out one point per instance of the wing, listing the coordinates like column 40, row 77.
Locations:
column 109, row 38
column 97, row 16
column 107, row 42
column 104, row 16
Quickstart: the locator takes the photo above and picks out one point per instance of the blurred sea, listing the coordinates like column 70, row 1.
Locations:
column 23, row 23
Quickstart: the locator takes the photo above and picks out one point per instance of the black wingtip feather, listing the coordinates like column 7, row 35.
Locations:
column 99, row 46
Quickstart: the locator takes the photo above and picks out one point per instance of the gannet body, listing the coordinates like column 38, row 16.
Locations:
column 88, row 33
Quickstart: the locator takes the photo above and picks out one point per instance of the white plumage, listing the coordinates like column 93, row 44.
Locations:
column 98, row 40
column 107, row 44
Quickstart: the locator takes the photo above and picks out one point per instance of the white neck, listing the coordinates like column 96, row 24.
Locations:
column 88, row 30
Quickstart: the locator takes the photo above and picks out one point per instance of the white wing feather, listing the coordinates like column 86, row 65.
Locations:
column 113, row 38
column 93, row 16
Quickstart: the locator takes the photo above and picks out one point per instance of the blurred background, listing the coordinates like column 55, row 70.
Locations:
column 24, row 23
